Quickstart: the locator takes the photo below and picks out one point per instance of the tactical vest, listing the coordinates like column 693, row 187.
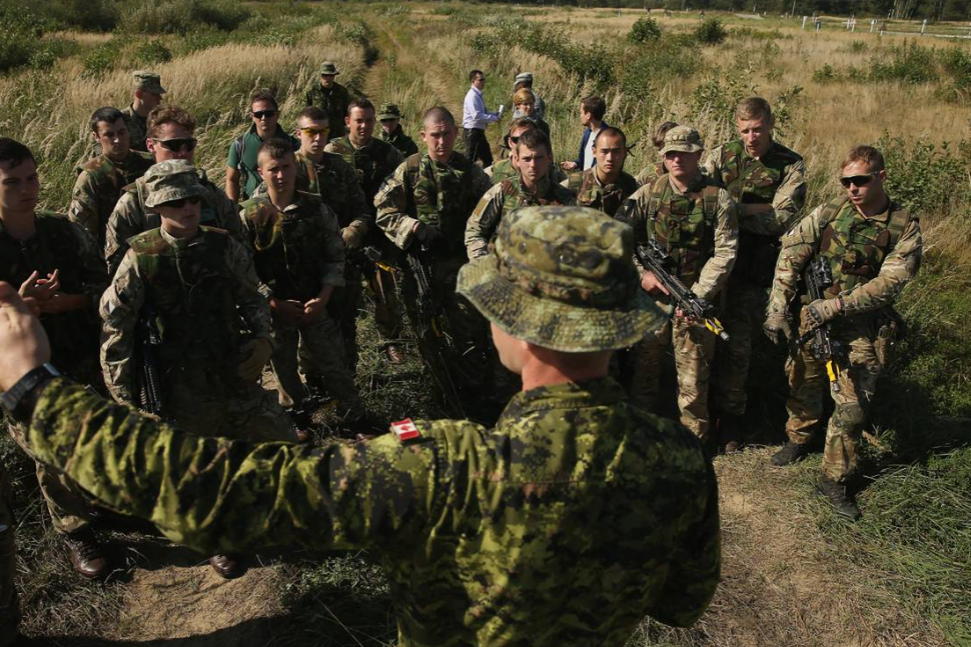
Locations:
column 441, row 197
column 606, row 199
column 684, row 225
column 516, row 197
column 326, row 182
column 191, row 291
column 367, row 163
column 854, row 246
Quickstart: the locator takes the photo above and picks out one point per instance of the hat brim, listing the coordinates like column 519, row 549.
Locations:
column 175, row 193
column 682, row 148
column 334, row 73
column 388, row 117
column 554, row 324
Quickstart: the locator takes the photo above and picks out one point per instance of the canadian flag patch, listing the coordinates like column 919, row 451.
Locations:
column 405, row 430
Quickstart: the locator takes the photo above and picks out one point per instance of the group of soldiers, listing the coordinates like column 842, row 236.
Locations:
column 193, row 291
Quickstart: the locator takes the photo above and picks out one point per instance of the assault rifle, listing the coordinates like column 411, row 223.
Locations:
column 430, row 319
column 148, row 380
column 369, row 256
column 823, row 347
column 654, row 258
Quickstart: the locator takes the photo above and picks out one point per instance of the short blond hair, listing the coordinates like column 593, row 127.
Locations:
column 868, row 154
column 753, row 108
column 523, row 95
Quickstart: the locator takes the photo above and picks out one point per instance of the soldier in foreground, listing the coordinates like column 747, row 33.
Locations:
column 694, row 221
column 606, row 187
column 101, row 180
column 148, row 95
column 171, row 133
column 423, row 208
column 871, row 248
column 390, row 117
column 54, row 262
column 331, row 97
column 768, row 183
column 375, row 161
column 534, row 156
column 566, row 524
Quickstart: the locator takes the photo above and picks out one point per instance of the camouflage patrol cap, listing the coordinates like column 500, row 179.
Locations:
column 172, row 180
column 683, row 139
column 562, row 278
column 389, row 111
column 523, row 77
column 147, row 82
column 328, row 67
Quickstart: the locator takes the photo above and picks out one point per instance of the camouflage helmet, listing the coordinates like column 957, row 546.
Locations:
column 147, row 82
column 172, row 180
column 683, row 139
column 329, row 68
column 389, row 111
column 562, row 278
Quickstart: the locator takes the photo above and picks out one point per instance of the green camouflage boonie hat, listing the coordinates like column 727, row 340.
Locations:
column 328, row 67
column 147, row 82
column 683, row 139
column 171, row 180
column 562, row 278
column 389, row 111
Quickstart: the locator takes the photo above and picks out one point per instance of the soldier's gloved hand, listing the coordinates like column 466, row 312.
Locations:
column 428, row 236
column 353, row 237
column 822, row 311
column 257, row 353
column 777, row 328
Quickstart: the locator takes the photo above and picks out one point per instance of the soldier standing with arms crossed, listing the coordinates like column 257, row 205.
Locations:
column 872, row 247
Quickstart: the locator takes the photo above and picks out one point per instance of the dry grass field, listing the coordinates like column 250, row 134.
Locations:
column 793, row 575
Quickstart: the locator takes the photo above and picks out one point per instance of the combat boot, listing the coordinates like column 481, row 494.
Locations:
column 87, row 556
column 730, row 432
column 228, row 566
column 790, row 453
column 843, row 505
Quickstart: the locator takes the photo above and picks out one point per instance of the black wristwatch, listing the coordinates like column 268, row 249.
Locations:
column 20, row 399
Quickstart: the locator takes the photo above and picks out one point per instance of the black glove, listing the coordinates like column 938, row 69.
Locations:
column 428, row 236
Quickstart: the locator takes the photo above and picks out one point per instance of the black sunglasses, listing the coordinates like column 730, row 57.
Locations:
column 514, row 140
column 858, row 180
column 178, row 144
column 178, row 204
column 259, row 114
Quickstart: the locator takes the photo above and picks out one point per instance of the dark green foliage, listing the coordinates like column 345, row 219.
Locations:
column 826, row 74
column 103, row 58
column 711, row 31
column 183, row 16
column 928, row 178
column 908, row 63
column 644, row 30
column 153, row 52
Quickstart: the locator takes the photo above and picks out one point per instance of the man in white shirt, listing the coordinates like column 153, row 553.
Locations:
column 475, row 118
column 592, row 111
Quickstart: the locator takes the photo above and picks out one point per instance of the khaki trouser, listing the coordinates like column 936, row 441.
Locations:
column 808, row 381
column 694, row 348
column 743, row 318
column 9, row 607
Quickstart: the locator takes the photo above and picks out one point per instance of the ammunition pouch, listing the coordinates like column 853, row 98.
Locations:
column 890, row 329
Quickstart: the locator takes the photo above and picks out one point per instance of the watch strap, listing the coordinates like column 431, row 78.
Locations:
column 14, row 397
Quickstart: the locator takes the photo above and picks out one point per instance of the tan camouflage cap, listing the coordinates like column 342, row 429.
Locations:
column 683, row 139
column 523, row 77
column 328, row 67
column 147, row 82
column 389, row 111
column 562, row 278
column 172, row 180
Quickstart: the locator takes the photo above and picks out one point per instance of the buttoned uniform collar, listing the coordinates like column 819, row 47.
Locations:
column 883, row 216
column 694, row 184
column 596, row 177
column 542, row 186
column 179, row 243
column 768, row 151
column 569, row 395
column 360, row 148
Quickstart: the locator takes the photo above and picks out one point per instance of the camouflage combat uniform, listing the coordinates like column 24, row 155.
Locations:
column 59, row 244
column 504, row 198
column 197, row 290
column 591, row 192
column 374, row 163
column 99, row 185
column 9, row 603
column 334, row 102
column 504, row 170
column 137, row 129
column 132, row 217
column 565, row 525
column 872, row 259
column 397, row 138
column 442, row 195
column 650, row 173
column 778, row 179
column 699, row 230
column 297, row 252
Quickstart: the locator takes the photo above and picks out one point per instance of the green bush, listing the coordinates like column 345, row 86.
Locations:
column 644, row 30
column 152, row 53
column 87, row 15
column 925, row 177
column 711, row 31
column 909, row 63
column 826, row 74
column 184, row 16
column 103, row 58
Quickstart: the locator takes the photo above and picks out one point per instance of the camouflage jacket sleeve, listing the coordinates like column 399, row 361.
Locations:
column 119, row 310
column 710, row 167
column 391, row 202
column 714, row 275
column 94, row 274
column 633, row 211
column 481, row 182
column 695, row 567
column 84, row 207
column 483, row 222
column 220, row 496
column 798, row 247
column 333, row 252
column 124, row 222
column 786, row 205
column 253, row 306
column 898, row 268
column 227, row 215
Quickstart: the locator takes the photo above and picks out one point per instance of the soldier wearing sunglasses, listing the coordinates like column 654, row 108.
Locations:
column 242, row 164
column 170, row 137
column 872, row 245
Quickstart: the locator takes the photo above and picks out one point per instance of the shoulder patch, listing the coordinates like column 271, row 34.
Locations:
column 405, row 430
